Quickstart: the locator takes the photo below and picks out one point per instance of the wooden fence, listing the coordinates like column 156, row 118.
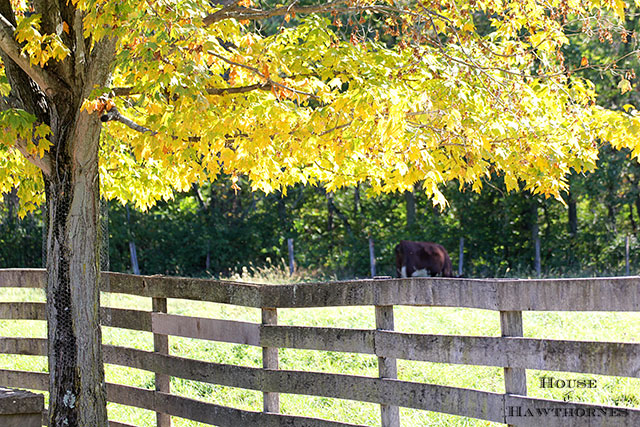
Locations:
column 511, row 350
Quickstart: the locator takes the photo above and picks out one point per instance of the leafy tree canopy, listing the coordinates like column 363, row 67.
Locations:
column 339, row 92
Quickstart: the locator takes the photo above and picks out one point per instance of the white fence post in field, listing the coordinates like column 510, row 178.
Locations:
column 291, row 258
column 134, row 258
column 626, row 255
column 270, row 400
column 161, row 345
column 461, row 257
column 538, row 261
column 372, row 257
column 515, row 379
column 387, row 368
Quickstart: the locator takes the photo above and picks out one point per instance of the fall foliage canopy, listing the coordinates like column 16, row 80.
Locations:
column 339, row 92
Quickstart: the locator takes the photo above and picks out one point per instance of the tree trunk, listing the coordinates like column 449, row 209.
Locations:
column 611, row 213
column 329, row 196
column 535, row 236
column 70, row 175
column 76, row 383
column 11, row 201
column 282, row 213
column 573, row 214
column 54, row 95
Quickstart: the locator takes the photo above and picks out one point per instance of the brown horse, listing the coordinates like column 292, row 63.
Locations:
column 422, row 259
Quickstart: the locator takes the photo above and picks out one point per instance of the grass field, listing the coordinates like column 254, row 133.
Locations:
column 623, row 327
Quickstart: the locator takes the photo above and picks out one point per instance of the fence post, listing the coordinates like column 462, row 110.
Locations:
column 535, row 236
column 372, row 257
column 387, row 368
column 161, row 346
column 270, row 400
column 134, row 258
column 538, row 262
column 626, row 254
column 291, row 258
column 461, row 257
column 515, row 379
column 132, row 245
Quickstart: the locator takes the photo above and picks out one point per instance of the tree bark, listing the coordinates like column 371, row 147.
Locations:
column 76, row 382
column 54, row 95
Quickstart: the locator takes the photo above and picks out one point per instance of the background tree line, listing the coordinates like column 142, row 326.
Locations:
column 215, row 230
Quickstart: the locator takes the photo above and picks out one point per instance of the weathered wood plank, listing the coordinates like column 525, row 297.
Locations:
column 125, row 318
column 207, row 329
column 226, row 292
column 197, row 370
column 387, row 366
column 413, row 291
column 585, row 294
column 23, row 278
column 119, row 424
column 114, row 317
column 450, row 400
column 270, row 401
column 207, row 412
column 515, row 379
column 602, row 358
column 23, row 346
column 315, row 338
column 590, row 294
column 476, row 404
column 529, row 412
column 161, row 346
column 24, row 379
column 131, row 396
column 45, row 421
column 23, row 310
column 230, row 417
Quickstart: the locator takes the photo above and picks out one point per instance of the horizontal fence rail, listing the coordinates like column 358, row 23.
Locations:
column 589, row 294
column 511, row 351
column 594, row 357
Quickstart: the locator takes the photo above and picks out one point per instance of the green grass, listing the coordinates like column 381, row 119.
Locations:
column 624, row 327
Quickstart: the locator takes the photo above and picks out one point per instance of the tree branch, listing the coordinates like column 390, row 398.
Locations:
column 44, row 163
column 257, row 72
column 128, row 91
column 49, row 83
column 114, row 114
column 241, row 13
column 233, row 11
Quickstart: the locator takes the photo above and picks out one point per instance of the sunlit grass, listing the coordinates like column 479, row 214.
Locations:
column 623, row 327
